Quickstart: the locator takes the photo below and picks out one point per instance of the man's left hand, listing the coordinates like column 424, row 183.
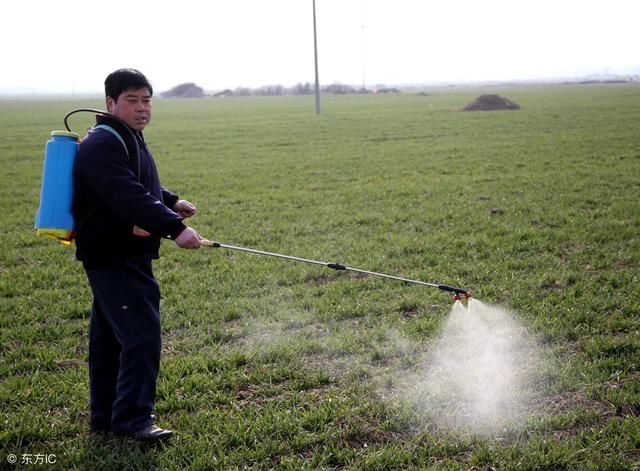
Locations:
column 184, row 208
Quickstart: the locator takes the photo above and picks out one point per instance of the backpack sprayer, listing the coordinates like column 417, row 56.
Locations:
column 54, row 217
column 458, row 292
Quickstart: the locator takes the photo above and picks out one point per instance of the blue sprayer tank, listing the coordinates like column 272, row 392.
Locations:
column 54, row 218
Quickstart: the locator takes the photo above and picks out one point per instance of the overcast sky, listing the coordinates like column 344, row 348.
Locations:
column 70, row 46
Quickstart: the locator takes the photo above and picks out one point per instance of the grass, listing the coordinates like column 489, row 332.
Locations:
column 275, row 364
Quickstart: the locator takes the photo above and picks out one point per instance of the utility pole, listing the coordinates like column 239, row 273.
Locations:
column 315, row 54
column 364, row 86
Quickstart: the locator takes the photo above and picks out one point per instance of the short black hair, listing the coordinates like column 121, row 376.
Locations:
column 124, row 79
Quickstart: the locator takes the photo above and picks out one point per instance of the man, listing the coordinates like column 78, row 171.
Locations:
column 122, row 212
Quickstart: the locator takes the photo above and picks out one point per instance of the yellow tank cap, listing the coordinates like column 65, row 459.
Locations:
column 65, row 134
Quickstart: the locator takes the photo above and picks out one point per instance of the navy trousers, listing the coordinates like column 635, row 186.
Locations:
column 124, row 345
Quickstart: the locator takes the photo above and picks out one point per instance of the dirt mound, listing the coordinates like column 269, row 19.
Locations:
column 184, row 90
column 491, row 103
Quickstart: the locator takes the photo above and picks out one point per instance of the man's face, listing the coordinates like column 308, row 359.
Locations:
column 133, row 106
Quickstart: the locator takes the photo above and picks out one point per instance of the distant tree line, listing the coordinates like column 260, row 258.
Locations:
column 191, row 90
column 300, row 89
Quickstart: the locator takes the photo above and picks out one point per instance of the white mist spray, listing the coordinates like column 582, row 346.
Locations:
column 476, row 376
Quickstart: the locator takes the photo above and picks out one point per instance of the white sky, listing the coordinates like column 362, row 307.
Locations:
column 71, row 45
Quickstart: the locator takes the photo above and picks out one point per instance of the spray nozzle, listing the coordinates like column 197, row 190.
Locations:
column 458, row 296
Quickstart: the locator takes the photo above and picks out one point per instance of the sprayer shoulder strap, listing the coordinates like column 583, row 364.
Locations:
column 95, row 206
column 115, row 133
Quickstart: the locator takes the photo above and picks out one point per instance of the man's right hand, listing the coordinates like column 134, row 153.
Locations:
column 189, row 239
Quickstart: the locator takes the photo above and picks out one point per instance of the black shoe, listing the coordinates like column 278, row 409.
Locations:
column 152, row 432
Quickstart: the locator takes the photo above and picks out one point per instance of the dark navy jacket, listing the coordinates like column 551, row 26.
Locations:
column 110, row 198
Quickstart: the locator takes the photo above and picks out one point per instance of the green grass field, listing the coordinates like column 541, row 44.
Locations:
column 271, row 364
